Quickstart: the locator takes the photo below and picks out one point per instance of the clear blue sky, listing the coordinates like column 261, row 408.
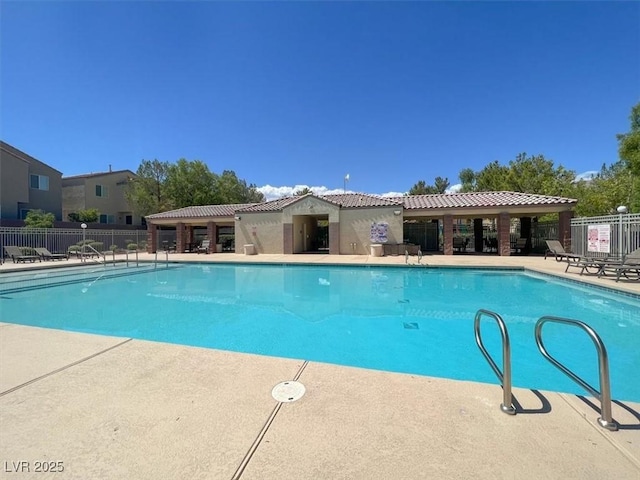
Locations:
column 302, row 93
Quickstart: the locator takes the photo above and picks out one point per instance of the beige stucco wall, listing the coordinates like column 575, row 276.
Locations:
column 355, row 228
column 311, row 206
column 15, row 185
column 114, row 203
column 264, row 230
column 72, row 200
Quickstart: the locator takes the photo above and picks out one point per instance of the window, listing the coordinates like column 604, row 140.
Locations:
column 107, row 218
column 128, row 219
column 40, row 182
column 101, row 191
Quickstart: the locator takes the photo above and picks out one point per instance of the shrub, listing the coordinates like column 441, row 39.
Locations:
column 132, row 246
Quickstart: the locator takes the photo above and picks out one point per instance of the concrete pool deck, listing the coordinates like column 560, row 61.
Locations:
column 119, row 408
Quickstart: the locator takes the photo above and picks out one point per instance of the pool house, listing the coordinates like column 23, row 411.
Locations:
column 364, row 224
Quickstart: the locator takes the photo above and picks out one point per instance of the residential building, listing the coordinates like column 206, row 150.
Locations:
column 104, row 191
column 27, row 184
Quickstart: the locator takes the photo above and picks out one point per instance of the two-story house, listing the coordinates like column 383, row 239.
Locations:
column 27, row 184
column 104, row 191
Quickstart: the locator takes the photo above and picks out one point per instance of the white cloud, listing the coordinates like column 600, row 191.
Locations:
column 393, row 194
column 272, row 193
column 589, row 175
column 454, row 188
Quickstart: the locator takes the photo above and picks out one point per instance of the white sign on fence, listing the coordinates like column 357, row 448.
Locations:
column 599, row 238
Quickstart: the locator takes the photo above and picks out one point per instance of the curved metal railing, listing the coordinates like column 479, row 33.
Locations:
column 605, row 421
column 505, row 377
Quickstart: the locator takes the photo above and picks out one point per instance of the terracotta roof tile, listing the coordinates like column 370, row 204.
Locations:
column 201, row 211
column 355, row 200
column 480, row 199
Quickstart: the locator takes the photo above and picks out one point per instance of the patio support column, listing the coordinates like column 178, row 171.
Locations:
column 478, row 235
column 525, row 232
column 334, row 238
column 189, row 234
column 180, row 237
column 212, row 234
column 564, row 229
column 287, row 238
column 447, row 234
column 152, row 238
column 504, row 234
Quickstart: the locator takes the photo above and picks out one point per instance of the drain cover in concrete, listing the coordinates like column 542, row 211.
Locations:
column 289, row 391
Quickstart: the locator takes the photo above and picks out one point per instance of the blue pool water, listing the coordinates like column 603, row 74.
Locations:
column 411, row 320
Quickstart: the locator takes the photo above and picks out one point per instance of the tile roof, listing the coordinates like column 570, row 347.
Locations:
column 344, row 200
column 355, row 200
column 480, row 199
column 201, row 211
column 352, row 200
column 271, row 205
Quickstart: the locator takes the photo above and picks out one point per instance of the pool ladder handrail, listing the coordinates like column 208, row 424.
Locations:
column 166, row 252
column 605, row 420
column 505, row 377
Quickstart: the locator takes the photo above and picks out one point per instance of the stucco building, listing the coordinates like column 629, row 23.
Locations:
column 104, row 191
column 351, row 223
column 26, row 184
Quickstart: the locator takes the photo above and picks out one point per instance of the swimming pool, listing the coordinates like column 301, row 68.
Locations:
column 410, row 320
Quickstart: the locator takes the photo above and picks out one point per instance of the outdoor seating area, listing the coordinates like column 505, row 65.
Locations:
column 555, row 248
column 203, row 247
column 460, row 243
column 17, row 255
column 45, row 254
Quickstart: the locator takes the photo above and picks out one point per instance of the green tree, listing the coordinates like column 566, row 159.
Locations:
column 190, row 183
column 421, row 187
column 230, row 189
column 90, row 215
column 302, row 192
column 146, row 191
column 468, row 180
column 492, row 178
column 39, row 219
column 629, row 151
column 604, row 193
column 629, row 143
column 441, row 185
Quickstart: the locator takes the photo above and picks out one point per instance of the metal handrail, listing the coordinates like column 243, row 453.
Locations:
column 104, row 262
column 166, row 261
column 605, row 421
column 505, row 377
column 126, row 252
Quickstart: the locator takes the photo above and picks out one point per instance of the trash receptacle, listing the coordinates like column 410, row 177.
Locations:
column 376, row 249
column 249, row 249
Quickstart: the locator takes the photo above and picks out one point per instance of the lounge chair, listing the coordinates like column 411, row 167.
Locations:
column 45, row 254
column 17, row 256
column 204, row 246
column 521, row 245
column 555, row 248
column 629, row 267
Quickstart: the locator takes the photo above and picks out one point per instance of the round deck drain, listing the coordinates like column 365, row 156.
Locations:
column 288, row 391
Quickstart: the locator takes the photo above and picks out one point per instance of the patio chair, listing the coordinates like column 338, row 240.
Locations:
column 521, row 245
column 17, row 256
column 554, row 247
column 45, row 254
column 629, row 267
column 204, row 246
